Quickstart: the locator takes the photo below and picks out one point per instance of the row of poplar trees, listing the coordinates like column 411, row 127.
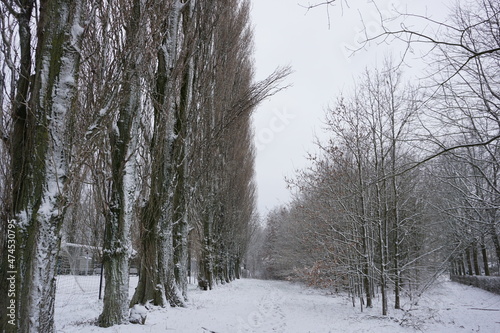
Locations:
column 139, row 109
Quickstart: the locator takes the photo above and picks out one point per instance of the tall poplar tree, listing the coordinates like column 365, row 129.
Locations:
column 42, row 110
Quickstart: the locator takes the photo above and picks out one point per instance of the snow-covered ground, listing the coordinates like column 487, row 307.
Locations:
column 271, row 306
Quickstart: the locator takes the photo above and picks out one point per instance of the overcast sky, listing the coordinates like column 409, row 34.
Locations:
column 315, row 44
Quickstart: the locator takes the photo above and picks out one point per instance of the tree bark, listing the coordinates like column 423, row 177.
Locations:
column 179, row 161
column 485, row 257
column 469, row 262
column 494, row 237
column 40, row 157
column 157, row 278
column 123, row 140
column 462, row 265
column 475, row 259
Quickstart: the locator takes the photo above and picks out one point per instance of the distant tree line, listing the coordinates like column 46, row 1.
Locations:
column 126, row 124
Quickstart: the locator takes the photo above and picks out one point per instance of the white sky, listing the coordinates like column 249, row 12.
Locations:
column 288, row 34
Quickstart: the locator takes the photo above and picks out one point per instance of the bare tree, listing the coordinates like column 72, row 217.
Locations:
column 43, row 106
column 363, row 218
column 202, row 100
column 123, row 144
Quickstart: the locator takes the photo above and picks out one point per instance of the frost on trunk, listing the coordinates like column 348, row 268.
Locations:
column 39, row 188
column 179, row 217
column 207, row 260
column 157, row 277
column 123, row 141
column 177, row 228
column 117, row 247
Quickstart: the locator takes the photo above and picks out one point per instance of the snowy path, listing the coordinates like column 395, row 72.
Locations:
column 271, row 306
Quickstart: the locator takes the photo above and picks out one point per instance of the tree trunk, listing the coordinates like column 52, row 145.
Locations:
column 454, row 269
column 485, row 258
column 173, row 293
column 123, row 139
column 40, row 157
column 462, row 265
column 117, row 247
column 149, row 280
column 20, row 152
column 469, row 262
column 237, row 266
column 157, row 280
column 364, row 232
column 494, row 237
column 179, row 161
column 366, row 270
column 395, row 209
column 207, row 255
column 382, row 270
column 475, row 259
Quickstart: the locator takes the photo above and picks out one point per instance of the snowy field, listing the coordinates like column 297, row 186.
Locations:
column 271, row 306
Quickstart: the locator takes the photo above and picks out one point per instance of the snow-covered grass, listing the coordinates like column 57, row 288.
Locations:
column 272, row 306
